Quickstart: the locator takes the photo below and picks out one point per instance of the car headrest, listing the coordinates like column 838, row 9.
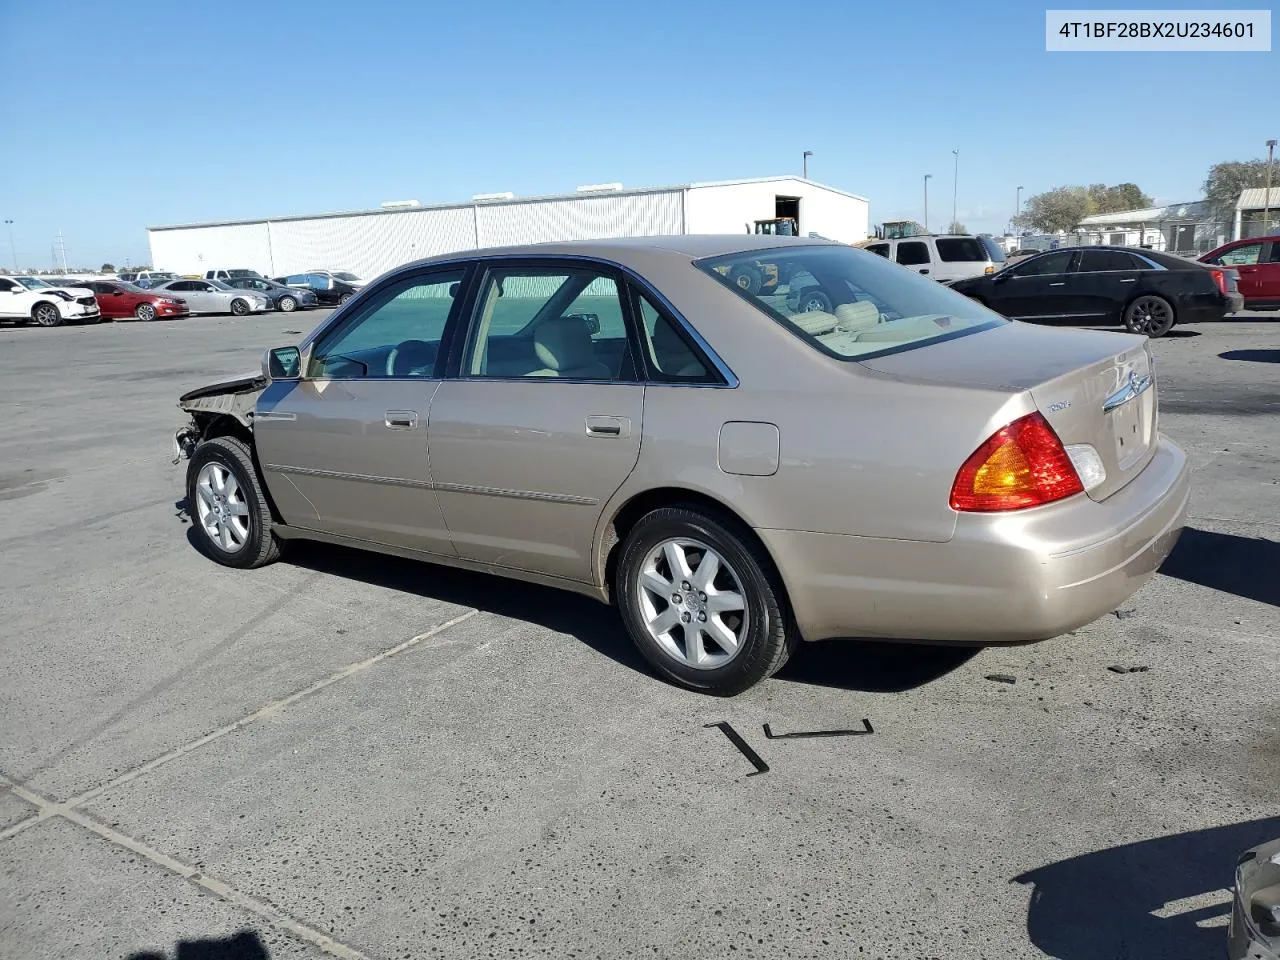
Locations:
column 563, row 343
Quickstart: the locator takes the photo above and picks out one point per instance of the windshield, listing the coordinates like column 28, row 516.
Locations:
column 848, row 303
column 32, row 283
column 343, row 275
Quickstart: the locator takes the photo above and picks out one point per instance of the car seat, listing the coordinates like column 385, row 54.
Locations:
column 565, row 349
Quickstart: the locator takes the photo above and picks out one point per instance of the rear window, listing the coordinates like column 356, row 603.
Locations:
column 961, row 250
column 876, row 308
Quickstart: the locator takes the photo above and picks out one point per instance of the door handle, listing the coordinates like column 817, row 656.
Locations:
column 608, row 427
column 1130, row 280
column 925, row 270
column 1060, row 283
column 401, row 419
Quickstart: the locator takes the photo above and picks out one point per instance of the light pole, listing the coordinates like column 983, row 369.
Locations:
column 12, row 249
column 807, row 155
column 927, row 178
column 1266, row 199
column 1017, row 211
column 955, row 187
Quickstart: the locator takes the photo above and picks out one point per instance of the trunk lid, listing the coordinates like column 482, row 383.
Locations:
column 1093, row 387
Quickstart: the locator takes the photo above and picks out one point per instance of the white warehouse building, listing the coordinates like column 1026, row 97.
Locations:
column 370, row 242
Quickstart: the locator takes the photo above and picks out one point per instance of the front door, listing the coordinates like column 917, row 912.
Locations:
column 1103, row 284
column 344, row 449
column 1246, row 260
column 1036, row 289
column 543, row 423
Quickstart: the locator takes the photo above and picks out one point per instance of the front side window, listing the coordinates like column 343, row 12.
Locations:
column 961, row 250
column 876, row 309
column 912, row 252
column 395, row 335
column 1245, row 255
column 880, row 249
column 1098, row 261
column 1044, row 265
column 7, row 284
column 550, row 324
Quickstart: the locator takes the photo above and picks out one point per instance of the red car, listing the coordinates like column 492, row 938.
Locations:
column 1257, row 260
column 117, row 300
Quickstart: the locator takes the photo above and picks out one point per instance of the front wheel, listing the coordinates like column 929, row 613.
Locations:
column 287, row 304
column 702, row 602
column 344, row 298
column 1150, row 315
column 46, row 315
column 239, row 307
column 748, row 278
column 145, row 311
column 814, row 301
column 229, row 511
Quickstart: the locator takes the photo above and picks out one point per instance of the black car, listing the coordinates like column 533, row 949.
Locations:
column 1147, row 292
column 329, row 290
column 283, row 298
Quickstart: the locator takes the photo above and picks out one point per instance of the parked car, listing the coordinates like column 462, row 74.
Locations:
column 1147, row 292
column 329, row 290
column 1257, row 261
column 948, row 475
column 1254, row 933
column 214, row 296
column 32, row 300
column 286, row 299
column 147, row 278
column 119, row 300
column 949, row 257
column 346, row 276
column 227, row 275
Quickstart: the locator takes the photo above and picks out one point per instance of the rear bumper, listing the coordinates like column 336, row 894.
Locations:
column 1008, row 578
column 1210, row 306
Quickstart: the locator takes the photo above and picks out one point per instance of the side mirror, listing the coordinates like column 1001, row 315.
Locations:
column 282, row 363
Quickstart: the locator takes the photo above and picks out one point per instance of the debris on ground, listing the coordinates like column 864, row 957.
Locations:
column 1002, row 677
column 1117, row 668
column 1124, row 614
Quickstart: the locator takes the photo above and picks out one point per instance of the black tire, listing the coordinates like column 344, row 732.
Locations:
column 813, row 300
column 344, row 298
column 749, row 279
column 45, row 314
column 239, row 307
column 287, row 304
column 145, row 311
column 1149, row 315
column 771, row 634
column 261, row 546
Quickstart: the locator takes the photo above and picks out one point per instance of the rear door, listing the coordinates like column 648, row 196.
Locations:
column 1036, row 289
column 344, row 450
column 960, row 258
column 1104, row 281
column 112, row 300
column 542, row 423
column 191, row 291
column 914, row 255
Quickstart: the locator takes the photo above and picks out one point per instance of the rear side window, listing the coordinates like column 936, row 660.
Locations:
column 881, row 249
column 1056, row 262
column 912, row 252
column 961, row 250
column 1097, row 261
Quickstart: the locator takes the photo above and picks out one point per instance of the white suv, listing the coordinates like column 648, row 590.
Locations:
column 32, row 300
column 944, row 258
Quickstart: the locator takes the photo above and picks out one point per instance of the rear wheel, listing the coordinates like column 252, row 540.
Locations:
column 46, row 315
column 345, row 297
column 287, row 304
column 145, row 311
column 229, row 511
column 748, row 278
column 1149, row 315
column 702, row 602
column 814, row 301
column 239, row 307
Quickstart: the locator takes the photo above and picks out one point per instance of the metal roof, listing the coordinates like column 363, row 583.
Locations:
column 1255, row 198
column 462, row 205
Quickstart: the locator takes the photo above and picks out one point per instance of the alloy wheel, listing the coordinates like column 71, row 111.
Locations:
column 1149, row 314
column 221, row 507
column 692, row 603
column 46, row 314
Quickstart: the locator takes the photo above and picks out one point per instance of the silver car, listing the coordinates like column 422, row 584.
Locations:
column 621, row 419
column 214, row 296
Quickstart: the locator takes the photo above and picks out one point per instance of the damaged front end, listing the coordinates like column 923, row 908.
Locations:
column 216, row 409
column 1255, row 915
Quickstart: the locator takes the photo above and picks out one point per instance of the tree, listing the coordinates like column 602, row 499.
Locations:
column 1227, row 180
column 957, row 227
column 1123, row 196
column 107, row 268
column 1058, row 209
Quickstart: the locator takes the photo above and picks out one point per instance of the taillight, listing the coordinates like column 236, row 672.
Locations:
column 1021, row 465
column 1220, row 278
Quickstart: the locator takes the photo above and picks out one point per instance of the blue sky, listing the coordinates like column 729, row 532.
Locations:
column 198, row 111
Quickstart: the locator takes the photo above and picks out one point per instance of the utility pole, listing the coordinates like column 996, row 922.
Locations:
column 807, row 155
column 1266, row 200
column 927, row 178
column 62, row 253
column 1017, row 212
column 955, row 187
column 12, row 249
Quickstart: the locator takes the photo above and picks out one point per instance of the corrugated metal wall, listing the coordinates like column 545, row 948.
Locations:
column 580, row 218
column 369, row 245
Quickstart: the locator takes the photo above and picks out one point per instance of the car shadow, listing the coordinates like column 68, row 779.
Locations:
column 1180, row 334
column 1123, row 902
column 1253, row 356
column 843, row 664
column 245, row 945
column 1227, row 562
